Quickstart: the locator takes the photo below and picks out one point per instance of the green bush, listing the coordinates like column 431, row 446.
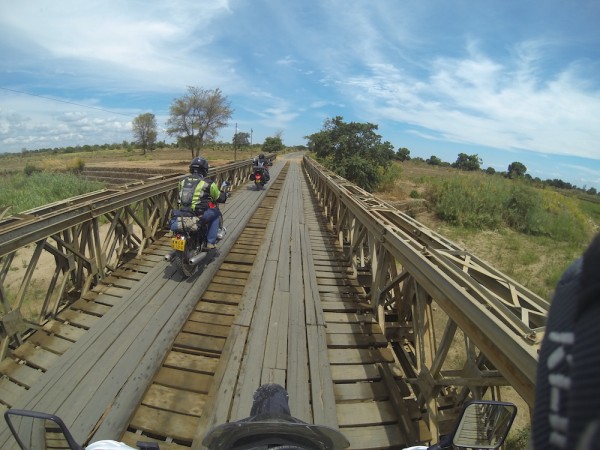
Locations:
column 30, row 169
column 388, row 177
column 518, row 440
column 481, row 202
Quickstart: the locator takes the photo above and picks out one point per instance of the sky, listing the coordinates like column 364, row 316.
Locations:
column 506, row 80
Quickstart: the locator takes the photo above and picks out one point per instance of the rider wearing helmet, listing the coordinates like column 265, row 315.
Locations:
column 198, row 194
column 261, row 161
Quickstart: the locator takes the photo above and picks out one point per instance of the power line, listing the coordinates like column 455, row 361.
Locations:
column 64, row 101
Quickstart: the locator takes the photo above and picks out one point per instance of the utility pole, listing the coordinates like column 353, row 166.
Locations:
column 235, row 137
column 251, row 131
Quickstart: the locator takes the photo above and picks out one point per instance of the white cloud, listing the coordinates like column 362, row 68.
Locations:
column 480, row 101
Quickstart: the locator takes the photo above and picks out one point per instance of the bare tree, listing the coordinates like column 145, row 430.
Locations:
column 144, row 131
column 198, row 116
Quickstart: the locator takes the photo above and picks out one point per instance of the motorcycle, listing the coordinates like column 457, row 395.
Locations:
column 258, row 176
column 189, row 240
column 482, row 424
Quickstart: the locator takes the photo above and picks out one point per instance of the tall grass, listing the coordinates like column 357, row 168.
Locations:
column 23, row 192
column 488, row 202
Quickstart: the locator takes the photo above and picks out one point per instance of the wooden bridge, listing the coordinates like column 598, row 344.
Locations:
column 374, row 324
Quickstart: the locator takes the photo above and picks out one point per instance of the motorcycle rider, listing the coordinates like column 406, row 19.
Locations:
column 261, row 161
column 198, row 195
column 567, row 407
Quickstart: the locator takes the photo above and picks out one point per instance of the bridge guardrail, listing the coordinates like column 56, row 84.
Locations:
column 82, row 239
column 410, row 270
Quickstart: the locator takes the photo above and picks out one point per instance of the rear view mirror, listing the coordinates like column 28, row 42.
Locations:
column 37, row 430
column 484, row 424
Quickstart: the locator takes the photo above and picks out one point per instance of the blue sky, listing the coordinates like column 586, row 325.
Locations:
column 508, row 80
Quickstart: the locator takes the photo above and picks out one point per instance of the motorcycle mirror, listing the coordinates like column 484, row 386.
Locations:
column 484, row 424
column 32, row 430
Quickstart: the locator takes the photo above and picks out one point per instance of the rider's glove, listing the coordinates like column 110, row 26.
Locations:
column 227, row 194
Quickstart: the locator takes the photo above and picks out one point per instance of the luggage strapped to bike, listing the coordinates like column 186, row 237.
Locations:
column 184, row 221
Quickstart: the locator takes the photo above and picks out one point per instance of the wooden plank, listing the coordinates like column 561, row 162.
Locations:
column 345, row 373
column 173, row 399
column 368, row 328
column 368, row 414
column 124, row 283
column 339, row 340
column 252, row 367
column 207, row 317
column 347, row 306
column 21, row 373
column 206, row 329
column 275, row 360
column 193, row 363
column 374, row 437
column 132, row 439
column 360, row 355
column 77, row 318
column 10, row 392
column 229, row 310
column 322, row 393
column 232, row 299
column 225, row 288
column 360, row 392
column 173, row 425
column 331, row 317
column 35, row 356
column 64, row 330
column 231, row 281
column 181, row 379
column 89, row 307
column 51, row 343
column 199, row 342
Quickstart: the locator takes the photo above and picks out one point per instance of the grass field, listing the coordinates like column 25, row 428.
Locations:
column 534, row 253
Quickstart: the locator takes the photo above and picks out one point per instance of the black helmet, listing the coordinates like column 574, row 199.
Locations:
column 261, row 156
column 199, row 165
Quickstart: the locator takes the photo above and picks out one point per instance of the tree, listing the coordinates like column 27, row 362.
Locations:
column 403, row 154
column 434, row 161
column 516, row 169
column 144, row 131
column 241, row 139
column 198, row 116
column 467, row 162
column 273, row 144
column 352, row 150
column 490, row 171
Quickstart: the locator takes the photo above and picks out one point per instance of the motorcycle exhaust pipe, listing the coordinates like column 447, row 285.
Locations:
column 197, row 258
column 169, row 256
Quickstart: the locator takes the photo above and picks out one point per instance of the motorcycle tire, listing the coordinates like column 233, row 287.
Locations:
column 182, row 260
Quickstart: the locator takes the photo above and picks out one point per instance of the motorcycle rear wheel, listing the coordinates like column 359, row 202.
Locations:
column 182, row 260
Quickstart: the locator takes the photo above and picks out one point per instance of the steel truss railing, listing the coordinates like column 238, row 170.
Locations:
column 409, row 269
column 83, row 239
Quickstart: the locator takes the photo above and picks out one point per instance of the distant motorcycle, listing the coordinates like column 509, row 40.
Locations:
column 189, row 240
column 258, row 176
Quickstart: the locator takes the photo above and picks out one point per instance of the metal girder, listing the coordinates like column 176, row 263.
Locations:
column 414, row 270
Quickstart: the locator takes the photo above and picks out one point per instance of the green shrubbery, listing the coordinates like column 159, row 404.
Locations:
column 484, row 202
column 23, row 192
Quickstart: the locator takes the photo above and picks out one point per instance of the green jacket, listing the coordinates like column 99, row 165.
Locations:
column 195, row 193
